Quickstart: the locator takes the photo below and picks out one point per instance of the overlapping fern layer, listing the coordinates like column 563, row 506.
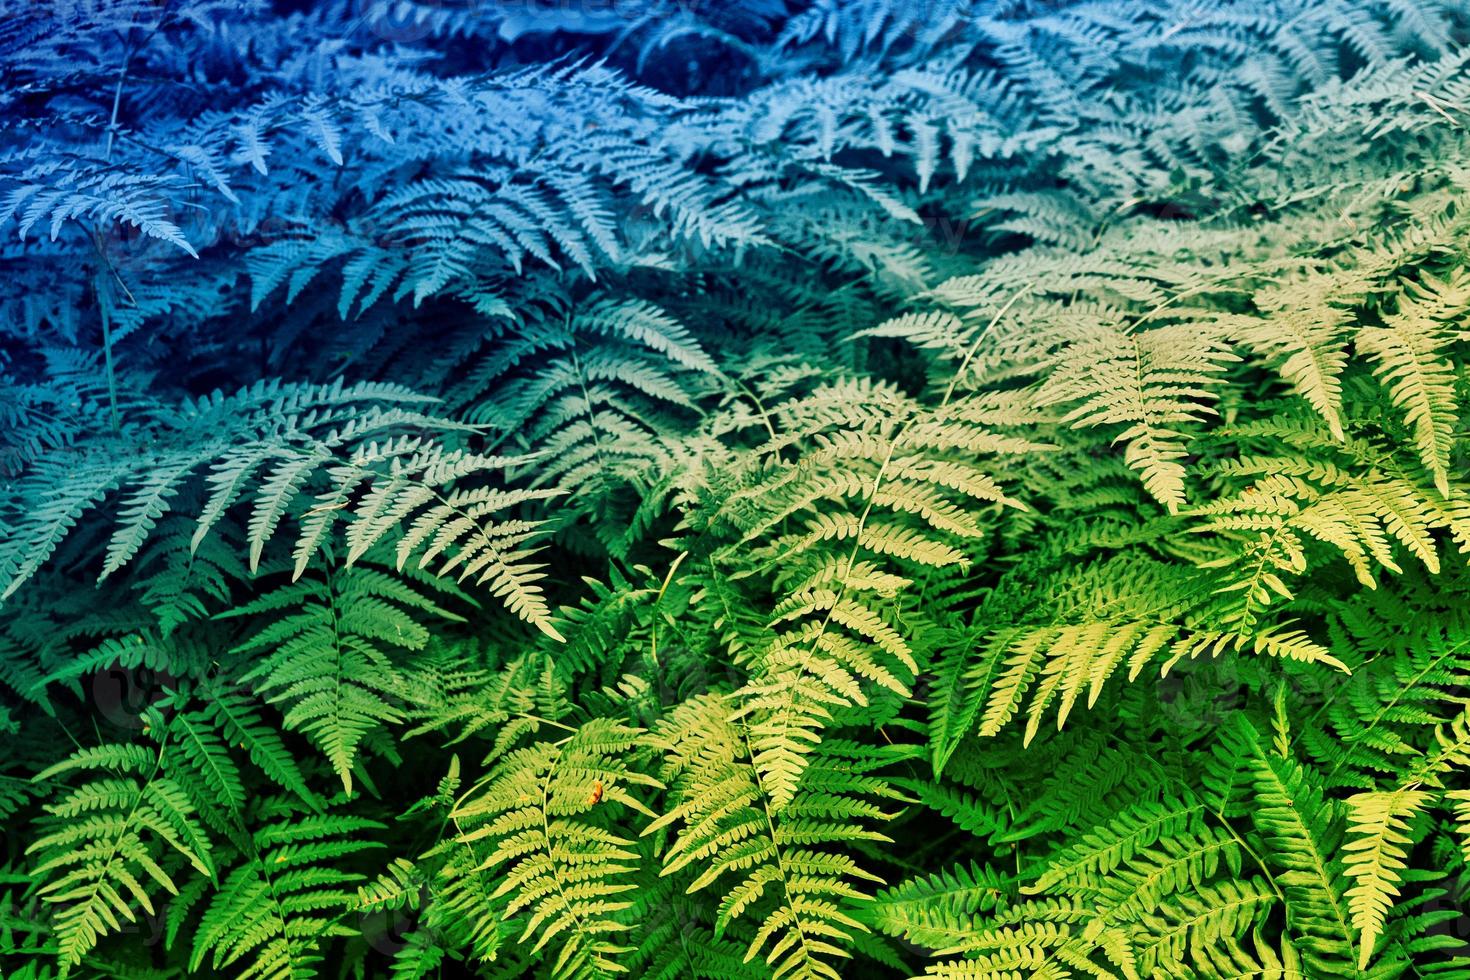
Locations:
column 794, row 488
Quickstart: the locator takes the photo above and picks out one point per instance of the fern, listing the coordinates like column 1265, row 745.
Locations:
column 738, row 490
column 728, row 826
column 322, row 652
column 108, row 843
column 1375, row 858
column 1152, row 382
column 537, row 813
column 1305, row 835
column 275, row 905
column 1420, row 381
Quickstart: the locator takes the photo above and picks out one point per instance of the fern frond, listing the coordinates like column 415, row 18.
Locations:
column 1374, row 858
column 322, row 652
column 541, row 813
column 1409, row 350
column 104, row 847
column 273, row 911
column 767, row 861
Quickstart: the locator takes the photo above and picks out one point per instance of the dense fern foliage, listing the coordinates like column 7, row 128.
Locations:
column 790, row 488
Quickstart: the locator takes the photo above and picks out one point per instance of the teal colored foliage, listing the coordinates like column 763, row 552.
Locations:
column 791, row 489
